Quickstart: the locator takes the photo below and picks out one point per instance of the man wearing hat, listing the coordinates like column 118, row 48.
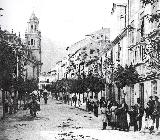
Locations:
column 156, row 112
column 150, row 105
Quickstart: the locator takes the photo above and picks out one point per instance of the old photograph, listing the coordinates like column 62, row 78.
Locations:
column 79, row 69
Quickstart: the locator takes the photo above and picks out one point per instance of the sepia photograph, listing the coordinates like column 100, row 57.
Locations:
column 79, row 69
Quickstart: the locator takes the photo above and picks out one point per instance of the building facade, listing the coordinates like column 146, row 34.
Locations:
column 132, row 43
column 33, row 42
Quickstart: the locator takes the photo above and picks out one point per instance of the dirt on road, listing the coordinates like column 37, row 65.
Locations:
column 58, row 121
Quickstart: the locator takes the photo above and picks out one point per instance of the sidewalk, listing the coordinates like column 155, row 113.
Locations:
column 143, row 130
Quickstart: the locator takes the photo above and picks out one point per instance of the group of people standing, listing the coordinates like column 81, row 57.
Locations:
column 119, row 117
column 114, row 114
column 92, row 105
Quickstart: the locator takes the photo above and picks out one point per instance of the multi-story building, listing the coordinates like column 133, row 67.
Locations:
column 85, row 56
column 133, row 43
column 144, row 54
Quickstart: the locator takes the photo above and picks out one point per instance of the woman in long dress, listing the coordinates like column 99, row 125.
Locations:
column 123, row 123
column 103, row 115
column 113, row 115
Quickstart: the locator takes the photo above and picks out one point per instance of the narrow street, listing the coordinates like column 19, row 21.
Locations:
column 57, row 121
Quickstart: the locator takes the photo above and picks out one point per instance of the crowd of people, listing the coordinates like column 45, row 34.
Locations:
column 119, row 117
column 12, row 104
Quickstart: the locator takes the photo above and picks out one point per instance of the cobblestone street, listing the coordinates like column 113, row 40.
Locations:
column 62, row 122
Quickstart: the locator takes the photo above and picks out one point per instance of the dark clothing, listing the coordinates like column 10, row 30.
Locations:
column 123, row 124
column 156, row 120
column 147, row 111
column 156, row 113
column 45, row 94
column 6, row 107
column 96, row 111
column 140, row 112
column 96, row 105
column 133, row 121
column 151, row 107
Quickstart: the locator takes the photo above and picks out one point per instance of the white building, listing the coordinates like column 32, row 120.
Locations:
column 129, row 42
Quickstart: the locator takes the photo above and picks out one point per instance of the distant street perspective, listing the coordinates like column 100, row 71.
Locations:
column 84, row 69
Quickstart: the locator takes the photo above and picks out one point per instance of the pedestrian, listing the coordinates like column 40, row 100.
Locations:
column 133, row 121
column 109, row 104
column 123, row 123
column 45, row 96
column 79, row 102
column 101, row 101
column 103, row 115
column 74, row 99
column 87, row 104
column 6, row 106
column 156, row 112
column 95, row 105
column 140, row 112
column 91, row 104
column 10, row 104
column 150, row 104
column 113, row 120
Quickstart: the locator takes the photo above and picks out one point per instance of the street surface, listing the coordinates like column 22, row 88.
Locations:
column 59, row 121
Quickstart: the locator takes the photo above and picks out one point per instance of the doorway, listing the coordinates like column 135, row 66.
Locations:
column 141, row 93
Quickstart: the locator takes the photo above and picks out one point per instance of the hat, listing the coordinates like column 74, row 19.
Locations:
column 150, row 97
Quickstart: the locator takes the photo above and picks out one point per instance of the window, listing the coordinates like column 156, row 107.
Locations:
column 132, row 33
column 142, row 27
column 154, row 87
column 35, row 28
column 31, row 41
column 118, row 53
column 32, row 27
column 28, row 42
column 135, row 55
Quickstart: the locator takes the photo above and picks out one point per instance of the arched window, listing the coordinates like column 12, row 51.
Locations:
column 35, row 28
column 31, row 41
column 32, row 27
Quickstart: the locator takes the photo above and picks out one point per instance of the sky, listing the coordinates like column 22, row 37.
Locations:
column 62, row 22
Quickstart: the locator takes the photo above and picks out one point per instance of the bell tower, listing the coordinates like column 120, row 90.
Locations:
column 33, row 41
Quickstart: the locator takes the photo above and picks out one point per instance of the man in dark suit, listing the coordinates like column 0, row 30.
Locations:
column 140, row 112
column 156, row 112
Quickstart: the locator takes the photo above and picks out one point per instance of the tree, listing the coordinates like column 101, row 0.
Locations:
column 7, row 67
column 145, row 2
column 125, row 77
column 94, row 83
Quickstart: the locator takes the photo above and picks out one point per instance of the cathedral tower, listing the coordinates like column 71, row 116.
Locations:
column 33, row 41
